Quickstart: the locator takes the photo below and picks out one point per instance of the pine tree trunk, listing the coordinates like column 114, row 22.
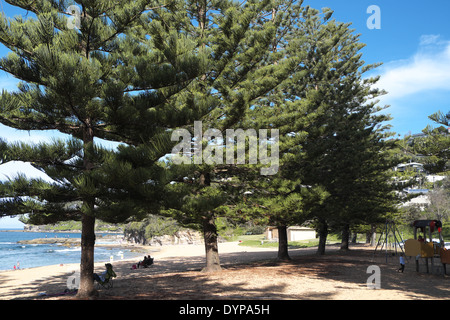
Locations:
column 210, row 234
column 371, row 236
column 355, row 237
column 283, row 243
column 323, row 233
column 87, row 288
column 87, row 257
column 368, row 236
column 201, row 11
column 209, row 226
column 211, row 246
column 345, row 237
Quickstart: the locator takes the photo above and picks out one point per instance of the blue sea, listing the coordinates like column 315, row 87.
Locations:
column 13, row 253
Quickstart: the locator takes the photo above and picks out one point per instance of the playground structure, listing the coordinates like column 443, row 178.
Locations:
column 390, row 240
column 421, row 248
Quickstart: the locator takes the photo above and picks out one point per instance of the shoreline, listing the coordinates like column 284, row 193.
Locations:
column 135, row 248
column 159, row 251
column 106, row 246
column 28, row 283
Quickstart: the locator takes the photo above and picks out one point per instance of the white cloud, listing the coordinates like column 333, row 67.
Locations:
column 427, row 70
column 28, row 138
column 12, row 135
column 429, row 39
column 12, row 169
column 10, row 223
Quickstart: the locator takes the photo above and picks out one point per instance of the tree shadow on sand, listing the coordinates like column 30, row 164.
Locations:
column 181, row 278
column 347, row 269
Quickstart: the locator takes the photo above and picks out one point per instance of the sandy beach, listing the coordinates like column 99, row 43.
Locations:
column 248, row 273
column 32, row 283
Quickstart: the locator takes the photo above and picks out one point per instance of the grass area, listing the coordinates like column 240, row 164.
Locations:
column 260, row 242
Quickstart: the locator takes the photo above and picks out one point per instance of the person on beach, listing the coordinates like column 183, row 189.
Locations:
column 148, row 261
column 108, row 273
column 402, row 263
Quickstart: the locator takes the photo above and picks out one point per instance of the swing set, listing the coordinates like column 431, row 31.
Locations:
column 390, row 240
column 420, row 247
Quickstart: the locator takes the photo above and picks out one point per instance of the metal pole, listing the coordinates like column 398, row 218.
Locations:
column 386, row 243
column 396, row 230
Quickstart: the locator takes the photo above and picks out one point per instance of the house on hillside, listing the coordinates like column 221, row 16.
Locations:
column 294, row 233
column 434, row 178
column 414, row 166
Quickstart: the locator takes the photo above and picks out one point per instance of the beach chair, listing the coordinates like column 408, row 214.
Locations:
column 105, row 280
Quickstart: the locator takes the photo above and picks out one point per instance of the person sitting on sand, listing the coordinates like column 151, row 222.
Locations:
column 108, row 273
column 148, row 261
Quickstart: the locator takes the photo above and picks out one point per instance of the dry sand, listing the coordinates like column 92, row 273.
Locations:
column 248, row 273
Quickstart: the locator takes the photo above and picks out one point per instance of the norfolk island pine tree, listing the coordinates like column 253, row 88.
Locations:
column 248, row 45
column 278, row 200
column 341, row 150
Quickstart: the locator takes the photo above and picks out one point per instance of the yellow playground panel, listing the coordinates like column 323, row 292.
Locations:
column 414, row 248
column 420, row 247
column 445, row 256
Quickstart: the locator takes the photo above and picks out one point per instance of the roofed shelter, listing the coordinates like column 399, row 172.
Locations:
column 294, row 233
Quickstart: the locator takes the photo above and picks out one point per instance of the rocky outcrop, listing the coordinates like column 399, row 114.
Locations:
column 62, row 241
column 180, row 237
column 32, row 228
column 100, row 227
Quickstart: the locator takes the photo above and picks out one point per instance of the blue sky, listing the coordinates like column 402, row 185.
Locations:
column 413, row 44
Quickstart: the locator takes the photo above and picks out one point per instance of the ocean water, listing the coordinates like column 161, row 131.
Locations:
column 13, row 253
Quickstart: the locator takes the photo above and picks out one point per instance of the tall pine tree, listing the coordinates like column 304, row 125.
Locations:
column 245, row 67
column 279, row 200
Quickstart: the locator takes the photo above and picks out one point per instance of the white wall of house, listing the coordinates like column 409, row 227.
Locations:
column 434, row 178
column 301, row 234
column 294, row 233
